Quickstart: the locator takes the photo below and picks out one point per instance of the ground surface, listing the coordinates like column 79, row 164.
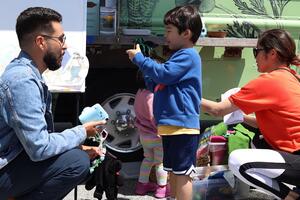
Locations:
column 127, row 193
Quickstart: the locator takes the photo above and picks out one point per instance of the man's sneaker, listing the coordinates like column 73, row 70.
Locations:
column 162, row 191
column 143, row 188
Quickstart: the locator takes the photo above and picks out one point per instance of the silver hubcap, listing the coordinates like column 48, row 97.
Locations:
column 123, row 136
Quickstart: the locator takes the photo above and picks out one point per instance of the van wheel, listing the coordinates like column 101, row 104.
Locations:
column 115, row 91
column 123, row 139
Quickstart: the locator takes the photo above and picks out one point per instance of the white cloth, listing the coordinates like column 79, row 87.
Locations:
column 236, row 116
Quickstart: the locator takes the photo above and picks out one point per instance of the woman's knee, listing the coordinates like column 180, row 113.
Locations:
column 234, row 160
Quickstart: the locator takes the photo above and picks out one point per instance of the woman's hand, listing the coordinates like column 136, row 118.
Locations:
column 250, row 120
column 92, row 151
column 92, row 128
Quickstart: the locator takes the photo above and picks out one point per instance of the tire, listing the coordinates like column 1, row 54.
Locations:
column 123, row 138
column 116, row 94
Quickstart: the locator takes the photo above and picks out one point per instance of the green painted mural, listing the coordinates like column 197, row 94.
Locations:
column 140, row 12
column 257, row 7
column 240, row 18
column 247, row 29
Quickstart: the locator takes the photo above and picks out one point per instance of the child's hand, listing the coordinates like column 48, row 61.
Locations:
column 131, row 52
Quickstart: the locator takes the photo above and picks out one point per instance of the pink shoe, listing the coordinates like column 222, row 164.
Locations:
column 143, row 188
column 162, row 191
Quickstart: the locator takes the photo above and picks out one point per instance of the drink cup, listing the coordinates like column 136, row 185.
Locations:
column 218, row 152
column 94, row 113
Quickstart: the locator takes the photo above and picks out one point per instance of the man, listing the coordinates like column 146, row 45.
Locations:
column 33, row 163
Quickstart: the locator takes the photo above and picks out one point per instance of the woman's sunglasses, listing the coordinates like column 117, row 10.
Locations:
column 257, row 50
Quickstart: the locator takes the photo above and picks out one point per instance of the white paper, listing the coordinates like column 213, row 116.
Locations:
column 236, row 116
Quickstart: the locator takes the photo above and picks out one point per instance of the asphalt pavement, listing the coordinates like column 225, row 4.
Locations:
column 130, row 172
column 126, row 192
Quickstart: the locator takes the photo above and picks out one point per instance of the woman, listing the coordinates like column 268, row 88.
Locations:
column 274, row 98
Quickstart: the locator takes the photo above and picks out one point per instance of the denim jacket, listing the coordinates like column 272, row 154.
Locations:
column 26, row 121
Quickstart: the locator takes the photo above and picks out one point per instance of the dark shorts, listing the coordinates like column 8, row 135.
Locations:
column 180, row 153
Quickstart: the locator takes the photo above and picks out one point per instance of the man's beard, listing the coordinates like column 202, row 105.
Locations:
column 51, row 61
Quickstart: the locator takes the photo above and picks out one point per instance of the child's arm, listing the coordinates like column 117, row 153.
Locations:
column 182, row 65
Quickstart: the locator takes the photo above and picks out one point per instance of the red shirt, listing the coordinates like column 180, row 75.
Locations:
column 275, row 99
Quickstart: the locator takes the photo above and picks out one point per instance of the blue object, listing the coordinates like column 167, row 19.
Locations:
column 90, row 39
column 94, row 113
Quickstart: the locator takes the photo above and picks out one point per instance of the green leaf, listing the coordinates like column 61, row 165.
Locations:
column 245, row 9
column 244, row 30
column 259, row 5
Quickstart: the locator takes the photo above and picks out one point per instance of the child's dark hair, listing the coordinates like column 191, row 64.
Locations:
column 185, row 17
column 140, row 80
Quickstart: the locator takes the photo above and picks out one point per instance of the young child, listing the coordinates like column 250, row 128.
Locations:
column 151, row 143
column 177, row 93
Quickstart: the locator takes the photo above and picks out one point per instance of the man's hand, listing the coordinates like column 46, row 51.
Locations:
column 131, row 52
column 92, row 151
column 93, row 127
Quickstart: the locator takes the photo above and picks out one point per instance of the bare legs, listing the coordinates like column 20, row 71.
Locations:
column 181, row 187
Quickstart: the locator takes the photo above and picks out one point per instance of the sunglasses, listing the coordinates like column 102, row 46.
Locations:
column 61, row 39
column 257, row 50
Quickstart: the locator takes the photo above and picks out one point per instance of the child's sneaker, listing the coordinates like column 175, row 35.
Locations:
column 162, row 191
column 143, row 188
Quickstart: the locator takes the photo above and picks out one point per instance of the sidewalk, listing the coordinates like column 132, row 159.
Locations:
column 127, row 193
column 130, row 172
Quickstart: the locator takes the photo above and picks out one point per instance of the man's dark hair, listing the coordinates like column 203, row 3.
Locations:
column 35, row 20
column 185, row 17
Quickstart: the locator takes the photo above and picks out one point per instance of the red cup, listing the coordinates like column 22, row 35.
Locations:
column 218, row 152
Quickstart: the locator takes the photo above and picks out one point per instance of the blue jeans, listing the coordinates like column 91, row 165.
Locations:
column 50, row 179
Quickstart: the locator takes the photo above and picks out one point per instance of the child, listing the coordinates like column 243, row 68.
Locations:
column 151, row 143
column 177, row 93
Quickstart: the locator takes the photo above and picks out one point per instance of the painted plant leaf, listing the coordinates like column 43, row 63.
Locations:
column 147, row 8
column 278, row 7
column 207, row 5
column 244, row 30
column 134, row 17
column 186, row 2
column 245, row 9
column 259, row 5
column 140, row 12
column 274, row 8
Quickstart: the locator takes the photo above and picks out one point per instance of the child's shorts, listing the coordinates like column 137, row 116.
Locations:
column 180, row 153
